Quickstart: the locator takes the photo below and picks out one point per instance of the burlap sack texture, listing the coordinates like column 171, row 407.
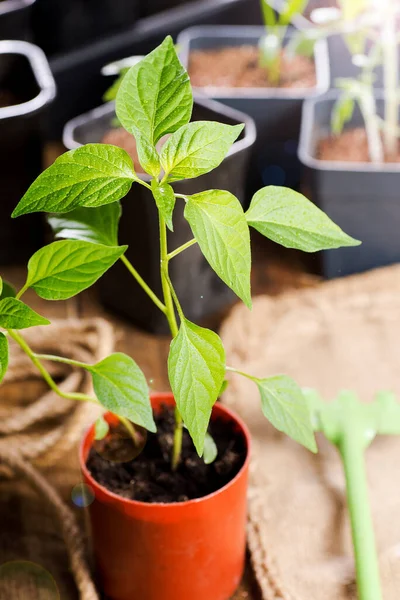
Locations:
column 39, row 433
column 340, row 335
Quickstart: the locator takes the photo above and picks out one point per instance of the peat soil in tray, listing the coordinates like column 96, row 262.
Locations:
column 349, row 146
column 148, row 477
column 239, row 67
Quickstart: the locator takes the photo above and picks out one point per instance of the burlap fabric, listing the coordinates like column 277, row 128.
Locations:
column 39, row 433
column 340, row 335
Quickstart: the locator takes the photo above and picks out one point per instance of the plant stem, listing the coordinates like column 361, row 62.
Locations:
column 170, row 314
column 390, row 68
column 369, row 112
column 36, row 360
column 45, row 374
column 181, row 248
column 143, row 284
column 131, row 430
column 351, row 448
column 22, row 291
column 61, row 359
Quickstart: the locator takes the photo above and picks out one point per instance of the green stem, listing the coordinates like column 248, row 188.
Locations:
column 143, row 284
column 181, row 248
column 36, row 360
column 131, row 430
column 61, row 359
column 22, row 291
column 170, row 314
column 233, row 370
column 351, row 448
column 45, row 374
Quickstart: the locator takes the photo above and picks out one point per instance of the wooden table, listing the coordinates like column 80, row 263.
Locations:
column 150, row 351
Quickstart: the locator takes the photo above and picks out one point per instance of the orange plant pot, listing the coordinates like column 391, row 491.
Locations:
column 191, row 550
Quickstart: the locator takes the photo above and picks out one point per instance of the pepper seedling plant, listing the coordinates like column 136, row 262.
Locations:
column 272, row 44
column 371, row 31
column 82, row 191
column 351, row 426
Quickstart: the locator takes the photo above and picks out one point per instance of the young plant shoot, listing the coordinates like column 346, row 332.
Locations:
column 370, row 30
column 83, row 189
column 272, row 43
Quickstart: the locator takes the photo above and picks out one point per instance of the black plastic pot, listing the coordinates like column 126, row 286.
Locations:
column 28, row 87
column 202, row 293
column 15, row 19
column 362, row 198
column 78, row 74
column 277, row 112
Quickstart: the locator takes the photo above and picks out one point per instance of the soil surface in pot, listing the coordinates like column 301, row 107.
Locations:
column 349, row 146
column 238, row 66
column 148, row 477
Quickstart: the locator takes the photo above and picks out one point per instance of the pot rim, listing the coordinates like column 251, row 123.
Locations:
column 171, row 505
column 41, row 71
column 9, row 6
column 321, row 62
column 248, row 139
column 306, row 143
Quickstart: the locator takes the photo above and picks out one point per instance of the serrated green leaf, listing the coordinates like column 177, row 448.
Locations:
column 101, row 428
column 92, row 175
column 287, row 409
column 342, row 112
column 8, row 291
column 196, row 369
column 15, row 314
column 3, row 355
column 120, row 386
column 155, row 97
column 197, row 148
column 165, row 200
column 97, row 225
column 63, row 269
column 210, row 450
column 219, row 225
column 288, row 218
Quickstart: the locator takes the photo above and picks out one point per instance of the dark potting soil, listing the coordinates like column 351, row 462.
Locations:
column 238, row 66
column 349, row 146
column 148, row 477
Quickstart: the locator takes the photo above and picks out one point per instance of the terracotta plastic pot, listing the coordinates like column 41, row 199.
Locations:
column 192, row 550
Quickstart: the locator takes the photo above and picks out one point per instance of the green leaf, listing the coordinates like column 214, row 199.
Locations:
column 342, row 112
column 210, row 450
column 1, row 286
column 97, row 225
column 101, row 428
column 90, row 176
column 288, row 218
column 63, row 269
column 165, row 200
column 155, row 97
column 219, row 225
column 14, row 314
column 120, row 386
column 3, row 355
column 8, row 291
column 285, row 406
column 197, row 148
column 196, row 369
column 148, row 155
column 223, row 387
